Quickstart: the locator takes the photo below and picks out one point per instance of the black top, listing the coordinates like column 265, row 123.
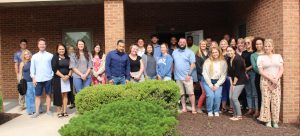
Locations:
column 246, row 56
column 237, row 69
column 135, row 64
column 61, row 64
column 227, row 59
column 199, row 65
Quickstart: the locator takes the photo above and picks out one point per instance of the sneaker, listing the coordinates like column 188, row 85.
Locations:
column 217, row 114
column 275, row 125
column 269, row 124
column 49, row 113
column 35, row 115
column 210, row 114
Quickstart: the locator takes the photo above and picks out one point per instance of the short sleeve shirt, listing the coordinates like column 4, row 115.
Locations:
column 182, row 62
column 271, row 65
column 135, row 64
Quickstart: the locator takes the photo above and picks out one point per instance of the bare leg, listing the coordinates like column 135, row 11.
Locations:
column 48, row 102
column 192, row 99
column 65, row 102
column 183, row 103
column 37, row 103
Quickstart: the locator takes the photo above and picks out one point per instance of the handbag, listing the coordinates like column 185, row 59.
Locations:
column 22, row 87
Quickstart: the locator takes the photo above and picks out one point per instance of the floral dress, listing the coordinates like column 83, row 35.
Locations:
column 98, row 70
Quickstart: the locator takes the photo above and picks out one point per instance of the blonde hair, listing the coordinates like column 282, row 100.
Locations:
column 23, row 55
column 199, row 52
column 211, row 59
column 269, row 42
column 132, row 46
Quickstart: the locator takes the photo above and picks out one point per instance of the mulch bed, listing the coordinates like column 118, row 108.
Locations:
column 202, row 125
column 5, row 117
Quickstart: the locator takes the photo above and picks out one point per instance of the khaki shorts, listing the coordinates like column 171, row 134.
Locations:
column 186, row 87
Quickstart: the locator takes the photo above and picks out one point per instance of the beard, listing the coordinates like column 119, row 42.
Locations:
column 182, row 48
column 120, row 52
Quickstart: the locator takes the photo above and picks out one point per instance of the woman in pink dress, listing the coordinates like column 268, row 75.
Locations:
column 98, row 66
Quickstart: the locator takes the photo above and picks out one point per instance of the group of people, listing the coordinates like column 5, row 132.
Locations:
column 223, row 70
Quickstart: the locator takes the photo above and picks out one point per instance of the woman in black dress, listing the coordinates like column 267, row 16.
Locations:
column 61, row 79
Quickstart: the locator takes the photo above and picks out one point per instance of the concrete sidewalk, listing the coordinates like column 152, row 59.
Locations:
column 24, row 125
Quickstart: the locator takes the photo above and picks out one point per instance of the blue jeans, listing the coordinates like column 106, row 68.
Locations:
column 194, row 75
column 30, row 98
column 119, row 80
column 213, row 98
column 151, row 78
column 252, row 98
column 79, row 84
column 225, row 90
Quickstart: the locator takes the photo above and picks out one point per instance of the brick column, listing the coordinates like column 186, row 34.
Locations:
column 114, row 25
column 279, row 20
column 290, row 52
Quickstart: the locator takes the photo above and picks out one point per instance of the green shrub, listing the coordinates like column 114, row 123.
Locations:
column 123, row 118
column 164, row 93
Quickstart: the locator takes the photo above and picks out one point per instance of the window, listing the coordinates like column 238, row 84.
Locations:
column 70, row 38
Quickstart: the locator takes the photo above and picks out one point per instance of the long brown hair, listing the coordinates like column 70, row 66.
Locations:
column 85, row 51
column 100, row 54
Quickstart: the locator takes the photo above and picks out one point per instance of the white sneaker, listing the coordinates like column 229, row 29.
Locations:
column 210, row 114
column 217, row 114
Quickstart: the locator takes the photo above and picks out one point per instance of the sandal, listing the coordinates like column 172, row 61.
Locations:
column 236, row 118
column 66, row 114
column 194, row 112
column 59, row 115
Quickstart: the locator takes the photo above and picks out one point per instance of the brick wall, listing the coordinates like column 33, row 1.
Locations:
column 141, row 19
column 279, row 20
column 46, row 21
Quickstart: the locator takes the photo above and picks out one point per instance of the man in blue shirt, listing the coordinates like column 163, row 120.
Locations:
column 184, row 64
column 117, row 65
column 154, row 41
column 17, row 61
column 41, row 73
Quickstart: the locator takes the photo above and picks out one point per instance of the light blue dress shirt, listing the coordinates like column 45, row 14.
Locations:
column 157, row 51
column 41, row 68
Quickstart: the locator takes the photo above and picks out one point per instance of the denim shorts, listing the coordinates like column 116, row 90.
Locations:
column 41, row 86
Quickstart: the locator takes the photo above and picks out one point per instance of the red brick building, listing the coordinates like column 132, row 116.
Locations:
column 106, row 21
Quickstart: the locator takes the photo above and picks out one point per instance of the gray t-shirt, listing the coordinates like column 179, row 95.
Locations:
column 151, row 66
column 82, row 64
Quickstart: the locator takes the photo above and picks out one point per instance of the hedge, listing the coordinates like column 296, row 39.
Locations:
column 123, row 118
column 163, row 93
